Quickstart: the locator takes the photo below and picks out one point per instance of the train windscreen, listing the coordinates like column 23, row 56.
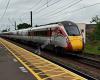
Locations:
column 72, row 30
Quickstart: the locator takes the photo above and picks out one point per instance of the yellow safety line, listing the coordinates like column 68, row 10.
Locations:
column 29, row 65
column 66, row 71
column 43, row 66
column 48, row 70
column 40, row 63
column 31, row 71
column 34, row 60
column 36, row 69
column 54, row 76
column 25, row 62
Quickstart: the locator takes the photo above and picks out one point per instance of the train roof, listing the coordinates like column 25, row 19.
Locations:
column 64, row 23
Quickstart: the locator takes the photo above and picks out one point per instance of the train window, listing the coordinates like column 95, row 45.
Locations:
column 17, row 33
column 41, row 33
column 30, row 33
column 72, row 30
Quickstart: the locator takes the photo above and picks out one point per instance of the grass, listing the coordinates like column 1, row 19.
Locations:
column 92, row 47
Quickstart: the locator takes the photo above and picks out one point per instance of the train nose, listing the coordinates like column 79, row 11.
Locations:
column 76, row 43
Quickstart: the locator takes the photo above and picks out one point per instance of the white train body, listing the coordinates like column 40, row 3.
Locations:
column 56, row 34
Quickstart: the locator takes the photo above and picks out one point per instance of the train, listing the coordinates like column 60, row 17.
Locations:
column 60, row 35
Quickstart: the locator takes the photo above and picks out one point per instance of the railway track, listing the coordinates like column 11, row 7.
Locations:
column 61, row 63
column 64, row 63
column 87, row 60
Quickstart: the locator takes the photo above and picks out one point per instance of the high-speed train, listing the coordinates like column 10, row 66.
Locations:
column 65, row 34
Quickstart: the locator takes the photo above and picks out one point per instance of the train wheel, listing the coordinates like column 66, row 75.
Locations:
column 80, row 52
column 41, row 48
column 59, row 51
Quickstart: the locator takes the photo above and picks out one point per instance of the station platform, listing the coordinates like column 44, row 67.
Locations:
column 36, row 67
column 10, row 68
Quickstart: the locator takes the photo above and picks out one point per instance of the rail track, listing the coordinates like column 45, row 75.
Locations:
column 86, row 60
column 61, row 63
column 76, row 58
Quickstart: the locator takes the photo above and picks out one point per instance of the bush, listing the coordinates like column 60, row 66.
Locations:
column 97, row 32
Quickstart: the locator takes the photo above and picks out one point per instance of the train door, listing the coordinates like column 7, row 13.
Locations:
column 29, row 35
column 50, row 35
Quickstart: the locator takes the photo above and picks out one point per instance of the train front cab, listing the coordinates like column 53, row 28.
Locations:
column 75, row 43
column 75, row 38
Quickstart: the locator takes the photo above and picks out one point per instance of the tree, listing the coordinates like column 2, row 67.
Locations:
column 5, row 30
column 23, row 26
column 96, row 19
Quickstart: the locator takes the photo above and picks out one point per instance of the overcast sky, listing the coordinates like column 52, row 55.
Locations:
column 53, row 11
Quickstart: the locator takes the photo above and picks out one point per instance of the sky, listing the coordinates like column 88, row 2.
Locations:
column 47, row 11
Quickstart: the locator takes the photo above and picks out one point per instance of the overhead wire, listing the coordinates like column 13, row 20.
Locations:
column 1, row 2
column 10, row 22
column 36, row 4
column 80, row 9
column 84, row 7
column 39, row 7
column 47, row 6
column 32, row 7
column 5, row 9
column 73, row 4
column 60, row 10
column 57, row 8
